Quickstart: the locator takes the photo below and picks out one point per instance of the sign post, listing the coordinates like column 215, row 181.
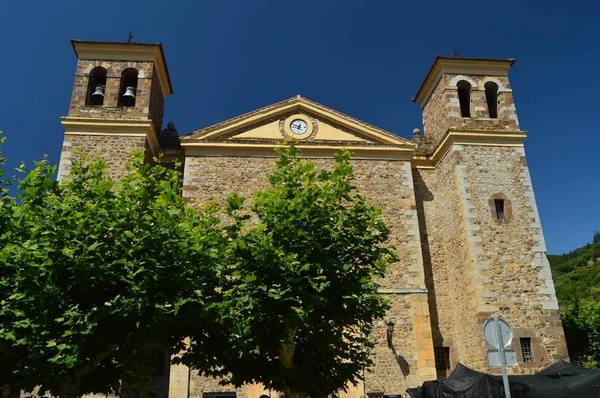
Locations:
column 499, row 334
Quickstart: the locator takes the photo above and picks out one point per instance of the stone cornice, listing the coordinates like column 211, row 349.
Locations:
column 309, row 151
column 120, row 127
column 509, row 138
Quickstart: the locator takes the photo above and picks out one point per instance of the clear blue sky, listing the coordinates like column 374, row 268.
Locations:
column 364, row 58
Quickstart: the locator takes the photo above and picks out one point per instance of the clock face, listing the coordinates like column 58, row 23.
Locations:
column 298, row 126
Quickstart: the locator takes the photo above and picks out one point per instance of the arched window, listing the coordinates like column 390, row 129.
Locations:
column 127, row 91
column 464, row 97
column 491, row 95
column 96, row 86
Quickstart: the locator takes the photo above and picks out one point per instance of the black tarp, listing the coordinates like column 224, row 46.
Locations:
column 561, row 380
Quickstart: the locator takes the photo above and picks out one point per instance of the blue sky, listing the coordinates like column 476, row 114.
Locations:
column 364, row 58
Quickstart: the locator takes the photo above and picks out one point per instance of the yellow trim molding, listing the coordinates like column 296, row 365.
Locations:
column 308, row 150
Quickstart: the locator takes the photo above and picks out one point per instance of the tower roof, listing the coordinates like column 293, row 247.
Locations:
column 109, row 50
column 460, row 65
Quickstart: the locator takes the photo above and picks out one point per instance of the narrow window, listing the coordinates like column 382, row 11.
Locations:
column 491, row 96
column 499, row 204
column 96, row 86
column 127, row 91
column 464, row 98
column 442, row 358
column 526, row 349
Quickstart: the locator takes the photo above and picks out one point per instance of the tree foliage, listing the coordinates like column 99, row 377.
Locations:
column 98, row 274
column 577, row 274
column 300, row 295
column 577, row 280
column 93, row 272
column 582, row 329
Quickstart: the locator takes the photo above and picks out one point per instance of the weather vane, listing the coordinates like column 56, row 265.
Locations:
column 129, row 37
column 454, row 52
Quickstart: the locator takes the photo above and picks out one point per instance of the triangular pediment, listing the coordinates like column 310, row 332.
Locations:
column 296, row 120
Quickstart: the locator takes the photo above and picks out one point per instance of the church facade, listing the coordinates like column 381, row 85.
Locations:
column 458, row 199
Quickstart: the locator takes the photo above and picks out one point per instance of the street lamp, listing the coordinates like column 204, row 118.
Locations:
column 390, row 332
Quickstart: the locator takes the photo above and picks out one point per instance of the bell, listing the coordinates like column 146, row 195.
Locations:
column 99, row 92
column 128, row 98
column 98, row 95
column 129, row 92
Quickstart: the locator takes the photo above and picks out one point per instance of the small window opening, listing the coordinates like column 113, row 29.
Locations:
column 464, row 98
column 491, row 96
column 96, row 86
column 499, row 204
column 127, row 91
column 526, row 349
column 442, row 358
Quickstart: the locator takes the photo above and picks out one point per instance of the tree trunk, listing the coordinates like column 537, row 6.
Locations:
column 291, row 394
column 286, row 357
column 8, row 392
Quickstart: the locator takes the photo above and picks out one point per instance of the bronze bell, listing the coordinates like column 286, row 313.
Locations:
column 97, row 97
column 99, row 92
column 128, row 98
column 129, row 92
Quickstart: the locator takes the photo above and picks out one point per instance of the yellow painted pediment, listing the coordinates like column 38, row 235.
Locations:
column 318, row 124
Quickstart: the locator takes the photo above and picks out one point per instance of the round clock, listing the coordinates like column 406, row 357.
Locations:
column 298, row 126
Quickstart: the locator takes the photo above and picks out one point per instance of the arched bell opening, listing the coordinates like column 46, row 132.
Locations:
column 127, row 90
column 96, row 86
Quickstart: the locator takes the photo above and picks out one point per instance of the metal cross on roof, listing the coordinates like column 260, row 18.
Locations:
column 454, row 52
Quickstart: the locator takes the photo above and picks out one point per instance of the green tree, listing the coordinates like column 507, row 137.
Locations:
column 94, row 274
column 299, row 296
column 582, row 330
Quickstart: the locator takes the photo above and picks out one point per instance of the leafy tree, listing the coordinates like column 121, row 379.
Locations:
column 582, row 330
column 299, row 296
column 94, row 273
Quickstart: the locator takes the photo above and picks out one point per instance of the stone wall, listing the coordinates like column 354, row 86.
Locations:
column 114, row 149
column 157, row 105
column 389, row 185
column 445, row 255
column 512, row 274
column 481, row 266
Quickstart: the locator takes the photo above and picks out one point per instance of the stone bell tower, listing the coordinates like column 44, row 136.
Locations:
column 117, row 103
column 483, row 247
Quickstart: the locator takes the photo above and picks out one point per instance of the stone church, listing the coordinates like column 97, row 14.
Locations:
column 457, row 197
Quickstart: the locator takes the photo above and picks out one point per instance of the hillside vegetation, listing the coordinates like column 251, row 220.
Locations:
column 577, row 280
column 577, row 273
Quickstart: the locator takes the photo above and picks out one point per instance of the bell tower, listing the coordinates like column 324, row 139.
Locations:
column 471, row 94
column 117, row 103
column 483, row 247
